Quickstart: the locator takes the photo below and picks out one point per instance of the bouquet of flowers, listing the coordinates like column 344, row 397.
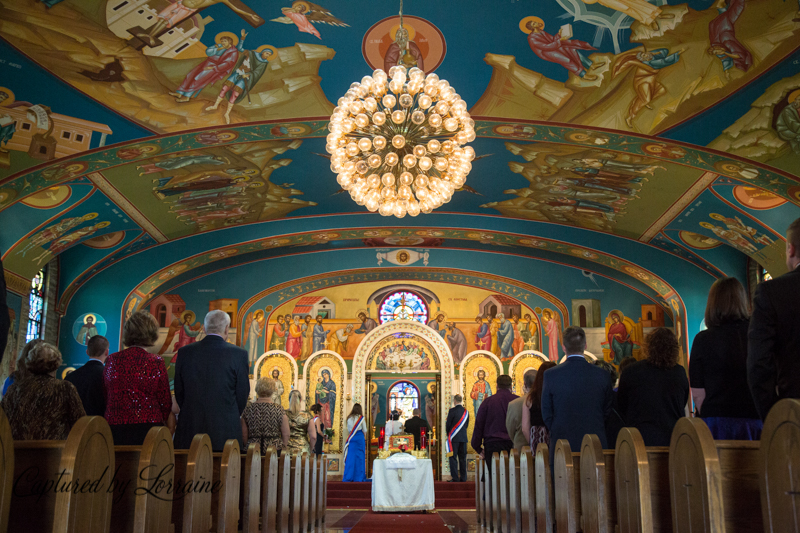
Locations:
column 328, row 436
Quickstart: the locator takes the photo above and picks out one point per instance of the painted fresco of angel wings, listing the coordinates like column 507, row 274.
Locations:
column 302, row 14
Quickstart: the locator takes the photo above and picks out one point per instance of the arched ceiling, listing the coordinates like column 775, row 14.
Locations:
column 666, row 156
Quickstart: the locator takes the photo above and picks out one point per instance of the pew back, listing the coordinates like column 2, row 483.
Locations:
column 544, row 490
column 598, row 498
column 251, row 492
column 6, row 470
column 779, row 465
column 269, row 490
column 566, row 488
column 527, row 490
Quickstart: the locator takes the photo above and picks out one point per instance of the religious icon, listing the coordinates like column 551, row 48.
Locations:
column 87, row 326
column 279, row 388
column 325, row 395
column 480, row 389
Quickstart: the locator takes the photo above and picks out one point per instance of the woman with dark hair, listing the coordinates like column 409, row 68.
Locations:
column 653, row 392
column 319, row 427
column 718, row 366
column 532, row 421
column 40, row 406
column 136, row 384
column 355, row 446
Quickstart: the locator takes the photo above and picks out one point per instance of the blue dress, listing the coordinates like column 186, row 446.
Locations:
column 354, row 464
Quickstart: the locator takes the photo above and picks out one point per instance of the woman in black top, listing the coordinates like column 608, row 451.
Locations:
column 653, row 393
column 718, row 366
column 316, row 409
column 532, row 423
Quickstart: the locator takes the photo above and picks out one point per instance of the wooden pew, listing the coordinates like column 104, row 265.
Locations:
column 494, row 482
column 191, row 511
column 295, row 488
column 282, row 495
column 269, row 490
column 779, row 467
column 514, row 491
column 567, row 488
column 304, row 499
column 319, row 512
column 527, row 490
column 144, row 473
column 227, row 470
column 488, row 518
column 251, row 490
column 6, row 470
column 324, row 481
column 313, row 487
column 504, row 501
column 714, row 484
column 598, row 497
column 479, row 491
column 641, row 477
column 544, row 490
column 86, row 456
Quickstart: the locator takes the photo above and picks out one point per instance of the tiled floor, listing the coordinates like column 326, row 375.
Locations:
column 458, row 520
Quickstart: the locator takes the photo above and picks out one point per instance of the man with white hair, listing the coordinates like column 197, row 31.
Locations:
column 211, row 386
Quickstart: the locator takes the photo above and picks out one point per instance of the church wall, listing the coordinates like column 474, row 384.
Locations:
column 16, row 339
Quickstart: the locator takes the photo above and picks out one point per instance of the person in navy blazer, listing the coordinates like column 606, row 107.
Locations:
column 576, row 396
column 88, row 379
column 211, row 386
column 458, row 461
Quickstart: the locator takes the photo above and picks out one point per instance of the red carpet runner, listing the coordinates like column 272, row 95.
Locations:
column 359, row 495
column 400, row 523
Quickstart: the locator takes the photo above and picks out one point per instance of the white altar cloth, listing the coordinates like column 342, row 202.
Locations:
column 402, row 483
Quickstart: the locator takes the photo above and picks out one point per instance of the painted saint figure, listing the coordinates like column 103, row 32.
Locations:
column 643, row 12
column 519, row 344
column 256, row 330
column 505, row 337
column 367, row 324
column 619, row 339
column 303, row 13
column 554, row 49
column 437, row 323
column 293, row 339
column 279, row 388
column 221, row 59
column 553, row 332
column 320, row 336
column 483, row 338
column 340, row 338
column 87, row 331
column 308, row 338
column 480, row 390
column 430, row 407
column 403, row 51
column 325, row 395
column 529, row 333
column 457, row 342
column 722, row 34
column 246, row 73
column 645, row 85
column 55, row 231
column 278, row 339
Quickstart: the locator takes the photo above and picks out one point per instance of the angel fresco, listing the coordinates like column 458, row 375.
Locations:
column 303, row 13
column 722, row 34
column 557, row 49
column 222, row 57
column 183, row 325
column 250, row 67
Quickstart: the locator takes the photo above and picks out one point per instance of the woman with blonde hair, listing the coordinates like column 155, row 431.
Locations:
column 263, row 421
column 302, row 433
column 18, row 370
column 40, row 406
column 718, row 366
column 136, row 384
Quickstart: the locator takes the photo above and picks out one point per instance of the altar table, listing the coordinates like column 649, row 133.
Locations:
column 401, row 484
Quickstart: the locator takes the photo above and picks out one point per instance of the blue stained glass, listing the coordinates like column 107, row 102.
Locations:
column 403, row 305
column 404, row 397
column 36, row 302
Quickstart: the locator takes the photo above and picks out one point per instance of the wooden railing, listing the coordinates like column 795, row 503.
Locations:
column 86, row 484
column 695, row 485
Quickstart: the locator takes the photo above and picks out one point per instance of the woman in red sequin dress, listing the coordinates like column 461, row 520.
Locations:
column 136, row 383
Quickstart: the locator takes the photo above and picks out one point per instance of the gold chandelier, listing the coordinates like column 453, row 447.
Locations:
column 397, row 141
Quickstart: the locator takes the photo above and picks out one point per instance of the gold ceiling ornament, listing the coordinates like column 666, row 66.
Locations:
column 397, row 141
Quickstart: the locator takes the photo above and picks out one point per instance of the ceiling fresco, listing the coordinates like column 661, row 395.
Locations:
column 612, row 137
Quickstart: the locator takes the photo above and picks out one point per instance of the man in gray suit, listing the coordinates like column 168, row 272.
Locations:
column 211, row 386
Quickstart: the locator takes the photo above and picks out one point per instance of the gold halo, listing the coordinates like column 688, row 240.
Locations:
column 268, row 309
column 258, row 312
column 274, row 368
column 94, row 318
column 409, row 28
column 306, row 7
column 432, row 385
column 366, row 313
column 67, row 371
column 523, row 24
column 707, row 225
column 89, row 216
column 373, row 387
column 189, row 314
column 717, row 216
column 475, row 372
column 11, row 97
column 435, row 315
column 792, row 96
column 231, row 35
column 266, row 47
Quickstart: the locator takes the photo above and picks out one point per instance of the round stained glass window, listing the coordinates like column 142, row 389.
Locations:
column 403, row 305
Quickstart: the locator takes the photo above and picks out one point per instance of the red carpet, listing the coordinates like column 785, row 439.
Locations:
column 359, row 495
column 400, row 523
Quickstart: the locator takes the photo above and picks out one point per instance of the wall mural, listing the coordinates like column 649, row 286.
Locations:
column 87, row 326
column 277, row 366
column 325, row 385
column 521, row 364
column 479, row 373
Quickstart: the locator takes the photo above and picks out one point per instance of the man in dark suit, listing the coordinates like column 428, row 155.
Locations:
column 88, row 379
column 773, row 353
column 211, row 386
column 576, row 396
column 414, row 424
column 458, row 415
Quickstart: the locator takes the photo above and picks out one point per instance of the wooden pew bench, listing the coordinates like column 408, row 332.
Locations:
column 779, row 467
column 566, row 488
column 598, row 494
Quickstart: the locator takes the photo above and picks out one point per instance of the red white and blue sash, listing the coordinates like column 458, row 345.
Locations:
column 448, row 445
column 356, row 429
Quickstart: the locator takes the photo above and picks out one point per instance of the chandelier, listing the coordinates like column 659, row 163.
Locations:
column 397, row 140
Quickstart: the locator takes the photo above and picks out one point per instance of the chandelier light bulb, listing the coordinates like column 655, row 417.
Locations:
column 403, row 151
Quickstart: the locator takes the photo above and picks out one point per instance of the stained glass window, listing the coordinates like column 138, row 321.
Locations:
column 403, row 305
column 404, row 397
column 36, row 312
